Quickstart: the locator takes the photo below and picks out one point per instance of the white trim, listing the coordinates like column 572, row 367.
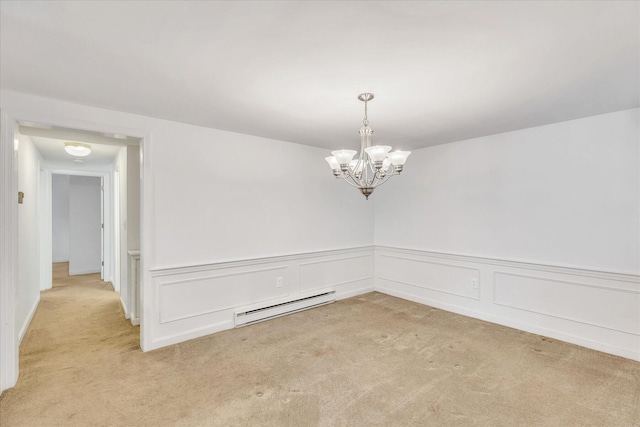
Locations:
column 622, row 340
column 8, row 252
column 526, row 327
column 355, row 292
column 163, row 320
column 81, row 272
column 530, row 265
column 193, row 333
column 124, row 308
column 27, row 322
column 9, row 226
column 194, row 268
column 59, row 260
column 108, row 250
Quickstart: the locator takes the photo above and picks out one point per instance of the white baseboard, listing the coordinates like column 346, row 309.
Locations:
column 124, row 308
column 594, row 309
column 534, row 329
column 27, row 322
column 355, row 292
column 194, row 301
column 191, row 334
column 81, row 272
column 135, row 321
column 60, row 260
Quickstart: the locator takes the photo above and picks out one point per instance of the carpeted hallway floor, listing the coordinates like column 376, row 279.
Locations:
column 368, row 360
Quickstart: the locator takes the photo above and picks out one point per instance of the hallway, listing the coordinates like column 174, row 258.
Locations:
column 78, row 329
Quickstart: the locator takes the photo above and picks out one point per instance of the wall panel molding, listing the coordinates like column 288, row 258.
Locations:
column 531, row 265
column 169, row 270
column 435, row 276
column 595, row 309
column 196, row 300
column 595, row 305
column 336, row 271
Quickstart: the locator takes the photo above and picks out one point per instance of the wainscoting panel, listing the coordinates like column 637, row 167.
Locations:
column 599, row 310
column 334, row 271
column 180, row 299
column 436, row 276
column 193, row 301
column 602, row 306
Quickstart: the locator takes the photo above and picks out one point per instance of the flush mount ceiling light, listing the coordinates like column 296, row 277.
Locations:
column 375, row 164
column 77, row 149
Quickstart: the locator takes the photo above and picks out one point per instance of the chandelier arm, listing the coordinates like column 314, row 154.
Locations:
column 354, row 181
column 353, row 184
column 386, row 179
column 382, row 179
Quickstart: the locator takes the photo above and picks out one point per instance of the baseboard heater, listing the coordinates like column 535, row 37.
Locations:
column 249, row 317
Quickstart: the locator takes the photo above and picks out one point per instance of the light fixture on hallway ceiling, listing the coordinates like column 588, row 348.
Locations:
column 375, row 164
column 77, row 149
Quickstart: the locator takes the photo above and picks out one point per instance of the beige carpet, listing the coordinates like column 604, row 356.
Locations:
column 368, row 360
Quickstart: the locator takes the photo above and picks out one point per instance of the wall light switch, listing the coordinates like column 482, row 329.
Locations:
column 279, row 282
column 474, row 283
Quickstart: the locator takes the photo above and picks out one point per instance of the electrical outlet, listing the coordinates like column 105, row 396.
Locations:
column 279, row 282
column 474, row 283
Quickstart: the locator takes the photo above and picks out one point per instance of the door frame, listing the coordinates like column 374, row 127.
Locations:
column 106, row 200
column 9, row 345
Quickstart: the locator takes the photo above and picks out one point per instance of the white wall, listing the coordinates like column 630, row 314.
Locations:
column 564, row 194
column 224, row 196
column 212, row 196
column 60, row 217
column 487, row 228
column 28, row 290
column 123, row 257
column 133, row 197
column 85, row 247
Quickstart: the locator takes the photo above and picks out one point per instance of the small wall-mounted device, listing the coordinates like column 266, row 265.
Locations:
column 20, row 197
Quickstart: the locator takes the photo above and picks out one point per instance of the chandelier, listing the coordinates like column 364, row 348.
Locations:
column 375, row 164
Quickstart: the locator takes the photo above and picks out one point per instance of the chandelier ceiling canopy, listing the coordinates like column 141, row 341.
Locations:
column 373, row 166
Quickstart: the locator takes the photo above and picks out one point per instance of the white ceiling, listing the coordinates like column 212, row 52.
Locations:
column 53, row 150
column 441, row 71
column 50, row 142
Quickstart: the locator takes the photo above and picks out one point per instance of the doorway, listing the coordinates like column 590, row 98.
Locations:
column 12, row 315
column 78, row 223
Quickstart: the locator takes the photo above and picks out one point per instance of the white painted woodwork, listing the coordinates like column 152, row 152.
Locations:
column 199, row 300
column 9, row 341
column 594, row 309
column 133, row 311
column 204, row 227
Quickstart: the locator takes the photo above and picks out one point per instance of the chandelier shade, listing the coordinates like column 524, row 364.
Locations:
column 374, row 164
